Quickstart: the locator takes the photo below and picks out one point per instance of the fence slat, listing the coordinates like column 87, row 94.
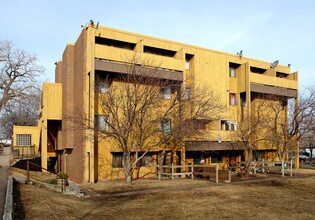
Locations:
column 216, row 173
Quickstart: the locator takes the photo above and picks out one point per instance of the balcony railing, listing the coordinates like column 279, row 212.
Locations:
column 24, row 152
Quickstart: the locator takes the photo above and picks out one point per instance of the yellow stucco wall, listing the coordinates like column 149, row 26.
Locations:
column 51, row 101
column 32, row 130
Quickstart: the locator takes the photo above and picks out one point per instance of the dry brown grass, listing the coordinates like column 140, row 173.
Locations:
column 36, row 175
column 289, row 198
column 144, row 184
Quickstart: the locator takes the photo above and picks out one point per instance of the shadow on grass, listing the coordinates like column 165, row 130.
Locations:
column 19, row 212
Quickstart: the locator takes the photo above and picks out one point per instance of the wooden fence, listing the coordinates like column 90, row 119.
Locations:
column 264, row 166
column 212, row 172
column 23, row 152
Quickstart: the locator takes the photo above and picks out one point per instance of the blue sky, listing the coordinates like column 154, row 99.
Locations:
column 268, row 30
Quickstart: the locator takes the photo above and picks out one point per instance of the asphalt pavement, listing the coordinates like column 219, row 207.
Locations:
column 4, row 166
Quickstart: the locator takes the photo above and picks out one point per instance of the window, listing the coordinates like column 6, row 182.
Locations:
column 102, row 84
column 188, row 58
column 103, row 87
column 115, row 43
column 281, row 75
column 232, row 69
column 232, row 99
column 283, row 103
column 228, row 125
column 166, row 93
column 232, row 72
column 23, row 140
column 117, row 160
column 165, row 125
column 257, row 70
column 187, row 93
column 146, row 160
column 187, row 64
column 243, row 98
column 216, row 157
column 159, row 51
column 101, row 122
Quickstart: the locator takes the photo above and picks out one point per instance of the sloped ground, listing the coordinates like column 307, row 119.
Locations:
column 277, row 198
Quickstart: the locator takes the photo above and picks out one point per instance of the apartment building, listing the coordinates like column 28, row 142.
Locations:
column 101, row 51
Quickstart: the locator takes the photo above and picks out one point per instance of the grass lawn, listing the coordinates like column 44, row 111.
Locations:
column 289, row 198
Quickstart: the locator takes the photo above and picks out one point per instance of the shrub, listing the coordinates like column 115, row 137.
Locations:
column 62, row 175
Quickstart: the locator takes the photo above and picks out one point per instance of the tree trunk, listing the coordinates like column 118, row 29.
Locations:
column 127, row 167
column 282, row 167
column 248, row 162
column 160, row 163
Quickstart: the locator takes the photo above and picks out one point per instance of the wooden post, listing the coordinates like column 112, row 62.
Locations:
column 254, row 167
column 172, row 171
column 291, row 166
column 192, row 170
column 229, row 177
column 159, row 172
column 216, row 173
column 263, row 165
column 28, row 171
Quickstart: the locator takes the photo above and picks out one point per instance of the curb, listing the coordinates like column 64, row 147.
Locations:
column 8, row 206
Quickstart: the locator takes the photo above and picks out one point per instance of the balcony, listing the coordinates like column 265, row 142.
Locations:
column 274, row 81
column 125, row 56
column 122, row 68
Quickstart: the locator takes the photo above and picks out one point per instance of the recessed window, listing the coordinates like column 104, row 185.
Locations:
column 166, row 93
column 228, row 125
column 159, row 51
column 257, row 70
column 23, row 140
column 232, row 72
column 187, row 93
column 243, row 98
column 188, row 58
column 115, row 43
column 165, row 125
column 216, row 157
column 147, row 160
column 117, row 159
column 232, row 99
column 101, row 123
column 102, row 83
column 232, row 69
column 102, row 87
column 281, row 75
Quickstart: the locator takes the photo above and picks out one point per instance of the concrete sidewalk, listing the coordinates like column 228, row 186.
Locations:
column 5, row 164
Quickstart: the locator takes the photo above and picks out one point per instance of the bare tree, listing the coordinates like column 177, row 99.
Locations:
column 286, row 128
column 129, row 110
column 307, row 130
column 189, row 112
column 248, row 134
column 18, row 72
column 22, row 112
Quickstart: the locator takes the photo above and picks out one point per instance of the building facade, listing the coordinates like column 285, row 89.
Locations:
column 240, row 82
